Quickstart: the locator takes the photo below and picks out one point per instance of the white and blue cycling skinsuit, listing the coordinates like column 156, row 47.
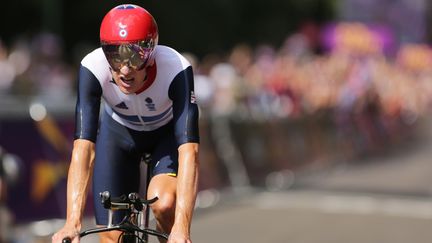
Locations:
column 157, row 119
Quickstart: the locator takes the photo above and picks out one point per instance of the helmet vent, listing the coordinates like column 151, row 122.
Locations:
column 126, row 6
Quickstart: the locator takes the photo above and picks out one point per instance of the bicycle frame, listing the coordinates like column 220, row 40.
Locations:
column 134, row 226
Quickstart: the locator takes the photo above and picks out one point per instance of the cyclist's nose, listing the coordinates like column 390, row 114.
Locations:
column 125, row 69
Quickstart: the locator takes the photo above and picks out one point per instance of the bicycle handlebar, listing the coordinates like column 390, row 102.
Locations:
column 125, row 228
column 67, row 240
column 132, row 201
column 123, row 202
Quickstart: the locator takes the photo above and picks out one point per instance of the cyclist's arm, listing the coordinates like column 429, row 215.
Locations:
column 79, row 176
column 185, row 112
column 187, row 184
column 83, row 152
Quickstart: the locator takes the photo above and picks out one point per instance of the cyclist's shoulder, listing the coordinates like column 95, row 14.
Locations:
column 97, row 64
column 168, row 57
column 95, row 56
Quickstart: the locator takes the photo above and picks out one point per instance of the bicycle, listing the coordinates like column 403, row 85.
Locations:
column 135, row 225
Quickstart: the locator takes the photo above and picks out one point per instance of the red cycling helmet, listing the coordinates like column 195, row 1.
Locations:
column 128, row 36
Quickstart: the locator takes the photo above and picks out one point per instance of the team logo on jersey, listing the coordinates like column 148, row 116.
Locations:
column 150, row 105
column 122, row 105
column 193, row 98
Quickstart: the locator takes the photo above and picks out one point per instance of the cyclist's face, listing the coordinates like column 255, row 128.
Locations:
column 128, row 79
column 128, row 62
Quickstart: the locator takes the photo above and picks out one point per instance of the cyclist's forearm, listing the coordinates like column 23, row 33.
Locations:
column 79, row 176
column 187, row 184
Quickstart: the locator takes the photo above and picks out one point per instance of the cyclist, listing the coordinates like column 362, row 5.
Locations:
column 149, row 107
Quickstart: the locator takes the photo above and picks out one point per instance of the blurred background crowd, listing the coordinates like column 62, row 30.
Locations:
column 335, row 88
column 342, row 70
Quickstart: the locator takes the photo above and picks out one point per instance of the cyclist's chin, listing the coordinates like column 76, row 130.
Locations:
column 128, row 90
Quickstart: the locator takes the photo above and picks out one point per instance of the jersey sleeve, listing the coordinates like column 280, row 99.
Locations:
column 185, row 109
column 88, row 105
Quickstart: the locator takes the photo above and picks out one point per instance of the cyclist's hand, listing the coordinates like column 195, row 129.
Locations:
column 178, row 238
column 66, row 232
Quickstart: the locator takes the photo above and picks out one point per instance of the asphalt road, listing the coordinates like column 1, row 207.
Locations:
column 318, row 217
column 387, row 199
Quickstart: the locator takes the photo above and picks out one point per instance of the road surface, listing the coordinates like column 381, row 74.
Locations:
column 385, row 199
